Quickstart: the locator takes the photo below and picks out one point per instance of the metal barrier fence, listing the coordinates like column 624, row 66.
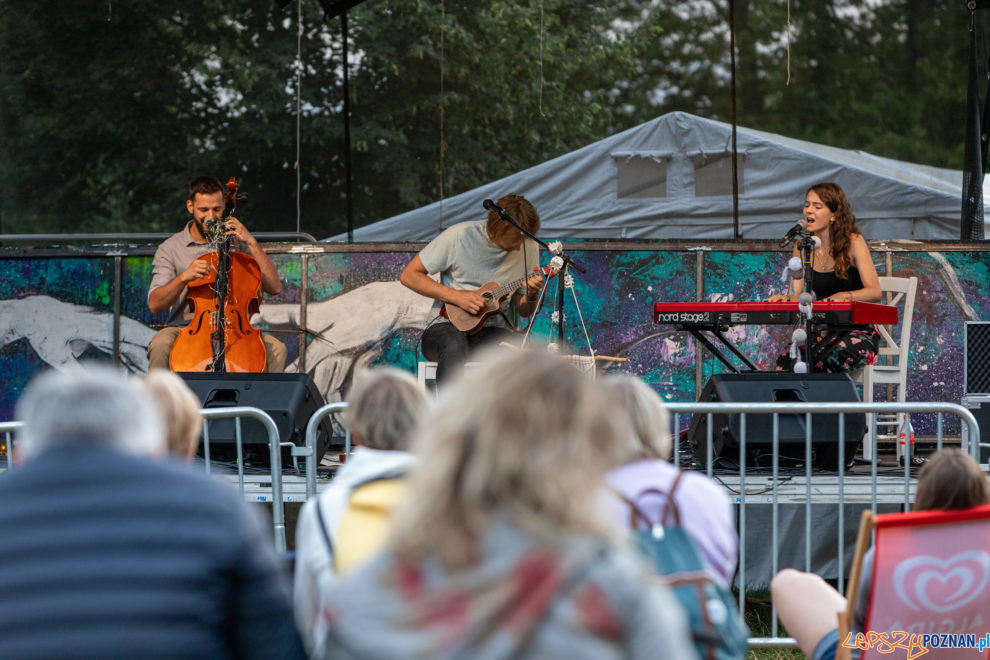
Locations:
column 312, row 430
column 274, row 446
column 814, row 485
column 970, row 442
column 8, row 429
column 274, row 451
column 969, row 439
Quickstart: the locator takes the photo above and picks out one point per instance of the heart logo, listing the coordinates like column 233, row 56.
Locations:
column 931, row 584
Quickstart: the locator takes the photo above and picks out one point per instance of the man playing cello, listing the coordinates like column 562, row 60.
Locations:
column 175, row 265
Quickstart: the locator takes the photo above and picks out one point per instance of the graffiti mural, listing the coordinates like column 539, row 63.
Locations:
column 58, row 309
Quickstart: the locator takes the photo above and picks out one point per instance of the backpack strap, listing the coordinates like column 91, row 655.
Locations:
column 637, row 515
column 672, row 503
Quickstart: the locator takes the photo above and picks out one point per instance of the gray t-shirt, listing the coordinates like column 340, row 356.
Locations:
column 466, row 258
column 171, row 258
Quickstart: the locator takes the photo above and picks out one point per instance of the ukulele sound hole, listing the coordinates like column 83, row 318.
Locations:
column 487, row 295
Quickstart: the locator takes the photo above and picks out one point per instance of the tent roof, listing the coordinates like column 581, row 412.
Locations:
column 671, row 178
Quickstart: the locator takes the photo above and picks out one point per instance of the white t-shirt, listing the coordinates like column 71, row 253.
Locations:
column 466, row 258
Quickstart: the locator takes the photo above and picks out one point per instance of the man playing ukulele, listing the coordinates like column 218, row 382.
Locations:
column 467, row 256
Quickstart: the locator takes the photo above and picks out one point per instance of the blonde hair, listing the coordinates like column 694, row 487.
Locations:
column 179, row 408
column 648, row 418
column 384, row 407
column 525, row 438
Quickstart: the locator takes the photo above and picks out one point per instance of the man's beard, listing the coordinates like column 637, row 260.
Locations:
column 201, row 226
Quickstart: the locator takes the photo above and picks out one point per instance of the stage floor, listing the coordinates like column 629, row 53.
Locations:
column 793, row 486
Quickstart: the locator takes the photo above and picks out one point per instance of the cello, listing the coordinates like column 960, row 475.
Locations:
column 220, row 336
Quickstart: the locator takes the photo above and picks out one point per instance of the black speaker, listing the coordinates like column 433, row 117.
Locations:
column 778, row 387
column 976, row 357
column 979, row 405
column 976, row 361
column 290, row 400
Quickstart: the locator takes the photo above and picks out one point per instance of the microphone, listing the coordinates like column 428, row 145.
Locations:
column 492, row 206
column 799, row 227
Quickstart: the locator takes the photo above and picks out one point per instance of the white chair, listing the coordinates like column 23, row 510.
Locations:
column 426, row 371
column 892, row 358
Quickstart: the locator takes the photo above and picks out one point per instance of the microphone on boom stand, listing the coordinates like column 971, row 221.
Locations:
column 799, row 227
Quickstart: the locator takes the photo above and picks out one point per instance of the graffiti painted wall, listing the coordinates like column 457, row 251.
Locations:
column 341, row 311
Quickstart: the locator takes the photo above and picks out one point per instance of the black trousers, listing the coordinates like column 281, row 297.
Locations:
column 449, row 347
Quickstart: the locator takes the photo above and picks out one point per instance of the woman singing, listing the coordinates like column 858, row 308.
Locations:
column 843, row 271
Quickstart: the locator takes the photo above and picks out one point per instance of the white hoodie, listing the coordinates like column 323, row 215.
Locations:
column 314, row 560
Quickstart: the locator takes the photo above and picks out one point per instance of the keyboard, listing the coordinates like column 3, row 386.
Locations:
column 724, row 314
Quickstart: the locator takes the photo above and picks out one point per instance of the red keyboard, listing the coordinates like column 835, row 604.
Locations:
column 721, row 314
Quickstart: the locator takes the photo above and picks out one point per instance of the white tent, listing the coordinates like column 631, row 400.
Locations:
column 671, row 178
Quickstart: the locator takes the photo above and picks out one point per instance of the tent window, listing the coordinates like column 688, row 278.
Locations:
column 641, row 177
column 713, row 175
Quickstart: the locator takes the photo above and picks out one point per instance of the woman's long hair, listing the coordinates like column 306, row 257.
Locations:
column 951, row 479
column 526, row 438
column 843, row 228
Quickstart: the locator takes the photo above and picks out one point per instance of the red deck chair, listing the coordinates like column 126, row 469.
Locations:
column 931, row 575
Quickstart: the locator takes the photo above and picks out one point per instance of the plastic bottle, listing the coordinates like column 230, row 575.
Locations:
column 906, row 438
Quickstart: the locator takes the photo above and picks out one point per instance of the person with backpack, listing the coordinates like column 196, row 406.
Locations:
column 349, row 521
column 646, row 476
column 681, row 521
column 497, row 551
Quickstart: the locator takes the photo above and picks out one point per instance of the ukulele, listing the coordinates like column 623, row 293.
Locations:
column 494, row 295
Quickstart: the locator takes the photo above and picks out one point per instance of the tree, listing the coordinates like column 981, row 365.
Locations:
column 110, row 108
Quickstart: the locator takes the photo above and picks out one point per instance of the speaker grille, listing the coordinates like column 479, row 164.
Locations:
column 978, row 358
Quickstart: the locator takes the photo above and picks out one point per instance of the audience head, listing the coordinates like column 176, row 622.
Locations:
column 647, row 416
column 91, row 405
column 951, row 479
column 384, row 407
column 525, row 438
column 179, row 408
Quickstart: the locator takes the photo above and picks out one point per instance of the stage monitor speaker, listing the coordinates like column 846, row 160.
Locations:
column 290, row 400
column 976, row 357
column 976, row 361
column 777, row 387
column 979, row 405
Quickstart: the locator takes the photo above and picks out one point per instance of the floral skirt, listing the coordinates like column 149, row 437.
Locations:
column 839, row 352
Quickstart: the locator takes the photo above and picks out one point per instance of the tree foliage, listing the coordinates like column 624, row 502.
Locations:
column 110, row 107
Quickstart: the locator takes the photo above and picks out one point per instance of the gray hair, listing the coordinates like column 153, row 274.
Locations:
column 384, row 407
column 648, row 418
column 92, row 405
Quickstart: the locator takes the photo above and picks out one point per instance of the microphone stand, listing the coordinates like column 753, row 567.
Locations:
column 807, row 246
column 561, row 276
